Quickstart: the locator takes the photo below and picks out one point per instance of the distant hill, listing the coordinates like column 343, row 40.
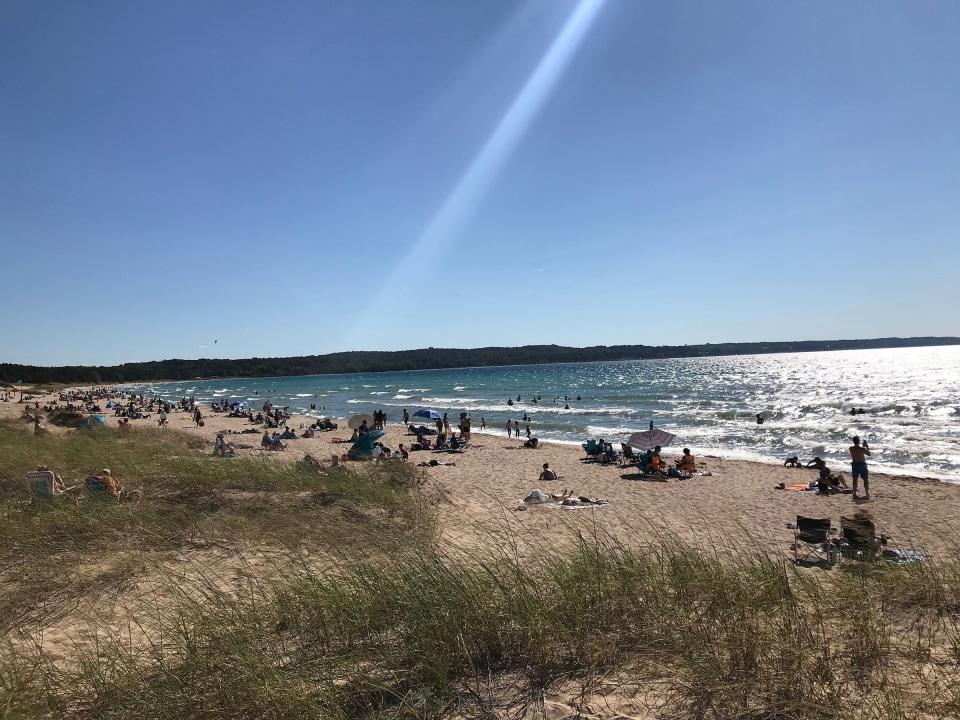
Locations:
column 425, row 359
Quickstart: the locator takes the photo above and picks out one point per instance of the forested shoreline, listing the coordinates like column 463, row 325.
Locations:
column 424, row 359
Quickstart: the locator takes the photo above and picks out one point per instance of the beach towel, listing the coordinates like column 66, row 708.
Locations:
column 798, row 488
column 581, row 506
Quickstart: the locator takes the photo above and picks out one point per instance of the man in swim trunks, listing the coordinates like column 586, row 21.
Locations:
column 858, row 466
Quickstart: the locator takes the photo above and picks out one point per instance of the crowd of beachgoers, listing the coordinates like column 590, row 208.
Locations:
column 480, row 470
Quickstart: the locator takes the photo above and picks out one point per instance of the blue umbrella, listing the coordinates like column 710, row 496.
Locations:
column 362, row 449
column 429, row 414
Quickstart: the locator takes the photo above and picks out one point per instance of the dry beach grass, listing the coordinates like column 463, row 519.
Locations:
column 256, row 587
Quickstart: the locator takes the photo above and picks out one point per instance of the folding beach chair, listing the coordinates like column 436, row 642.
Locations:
column 811, row 537
column 43, row 483
column 628, row 456
column 592, row 448
column 859, row 539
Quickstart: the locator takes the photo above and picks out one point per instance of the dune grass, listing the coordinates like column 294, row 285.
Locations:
column 395, row 624
column 191, row 501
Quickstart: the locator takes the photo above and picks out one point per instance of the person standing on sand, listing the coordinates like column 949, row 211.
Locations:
column 516, row 428
column 858, row 466
column 509, row 428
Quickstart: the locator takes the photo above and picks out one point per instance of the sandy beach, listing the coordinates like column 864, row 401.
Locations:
column 482, row 491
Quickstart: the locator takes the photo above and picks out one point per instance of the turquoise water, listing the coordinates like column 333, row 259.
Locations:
column 912, row 398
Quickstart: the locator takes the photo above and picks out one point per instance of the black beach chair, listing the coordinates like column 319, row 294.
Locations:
column 811, row 538
column 859, row 539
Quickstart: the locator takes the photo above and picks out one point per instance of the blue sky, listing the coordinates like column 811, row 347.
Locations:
column 306, row 177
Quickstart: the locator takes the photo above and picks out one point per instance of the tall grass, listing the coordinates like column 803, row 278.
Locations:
column 411, row 631
column 53, row 552
column 389, row 623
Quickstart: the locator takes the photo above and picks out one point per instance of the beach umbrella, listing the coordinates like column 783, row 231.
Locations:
column 428, row 414
column 362, row 449
column 649, row 439
column 357, row 420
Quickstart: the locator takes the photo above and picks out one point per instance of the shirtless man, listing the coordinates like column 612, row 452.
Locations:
column 547, row 473
column 858, row 466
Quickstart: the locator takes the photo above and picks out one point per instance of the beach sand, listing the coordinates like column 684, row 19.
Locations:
column 737, row 505
column 483, row 490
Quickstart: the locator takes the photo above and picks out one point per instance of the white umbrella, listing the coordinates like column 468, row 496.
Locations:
column 357, row 420
column 649, row 439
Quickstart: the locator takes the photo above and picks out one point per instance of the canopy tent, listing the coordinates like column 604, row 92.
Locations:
column 649, row 439
column 428, row 414
column 357, row 420
column 362, row 449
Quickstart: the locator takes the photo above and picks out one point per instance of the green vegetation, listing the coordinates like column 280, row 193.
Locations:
column 361, row 611
column 191, row 502
column 425, row 359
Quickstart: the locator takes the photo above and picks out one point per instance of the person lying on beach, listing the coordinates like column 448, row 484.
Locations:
column 104, row 484
column 537, row 497
column 567, row 498
column 547, row 474
column 582, row 500
column 434, row 463
column 308, row 433
column 793, row 462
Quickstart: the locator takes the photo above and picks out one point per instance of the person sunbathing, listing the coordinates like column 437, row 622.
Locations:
column 688, row 463
column 537, row 497
column 582, row 500
column 830, row 484
column 104, row 483
column 434, row 463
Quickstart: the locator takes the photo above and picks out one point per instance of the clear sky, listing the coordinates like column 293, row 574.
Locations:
column 306, row 177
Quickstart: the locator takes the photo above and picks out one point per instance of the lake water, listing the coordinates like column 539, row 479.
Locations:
column 911, row 395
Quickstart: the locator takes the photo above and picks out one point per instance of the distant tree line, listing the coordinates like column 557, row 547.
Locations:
column 424, row 359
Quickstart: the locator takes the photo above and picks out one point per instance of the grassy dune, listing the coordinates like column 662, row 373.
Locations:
column 362, row 612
